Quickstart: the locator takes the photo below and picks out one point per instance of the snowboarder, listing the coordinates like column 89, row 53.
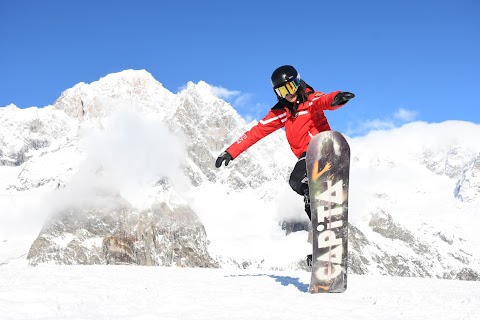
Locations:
column 300, row 111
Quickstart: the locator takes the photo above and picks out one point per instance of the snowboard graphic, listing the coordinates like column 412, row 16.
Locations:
column 328, row 167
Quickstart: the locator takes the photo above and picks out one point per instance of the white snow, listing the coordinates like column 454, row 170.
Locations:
column 128, row 292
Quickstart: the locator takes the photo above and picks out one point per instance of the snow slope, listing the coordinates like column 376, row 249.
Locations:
column 134, row 292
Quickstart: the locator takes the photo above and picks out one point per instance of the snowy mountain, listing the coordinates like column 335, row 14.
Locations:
column 121, row 171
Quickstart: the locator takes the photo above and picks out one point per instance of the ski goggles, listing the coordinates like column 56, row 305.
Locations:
column 288, row 88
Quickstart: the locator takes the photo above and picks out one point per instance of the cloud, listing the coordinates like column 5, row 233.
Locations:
column 395, row 120
column 224, row 93
column 377, row 124
column 254, row 112
column 124, row 158
column 235, row 97
column 133, row 152
column 242, row 102
column 405, row 115
column 128, row 155
column 209, row 202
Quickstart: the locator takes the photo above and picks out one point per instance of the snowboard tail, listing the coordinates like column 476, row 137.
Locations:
column 328, row 168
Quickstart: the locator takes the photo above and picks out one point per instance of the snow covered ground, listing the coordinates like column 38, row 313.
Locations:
column 134, row 292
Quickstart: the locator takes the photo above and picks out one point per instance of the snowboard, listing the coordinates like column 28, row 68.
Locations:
column 328, row 168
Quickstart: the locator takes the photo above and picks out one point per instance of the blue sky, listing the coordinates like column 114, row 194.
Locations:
column 404, row 60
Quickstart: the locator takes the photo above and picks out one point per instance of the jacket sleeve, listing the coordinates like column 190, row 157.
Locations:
column 273, row 121
column 323, row 101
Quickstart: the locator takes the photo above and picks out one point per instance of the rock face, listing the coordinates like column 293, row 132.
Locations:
column 33, row 129
column 119, row 234
column 468, row 186
column 408, row 255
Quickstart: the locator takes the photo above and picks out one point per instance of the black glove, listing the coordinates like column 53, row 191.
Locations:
column 224, row 156
column 342, row 98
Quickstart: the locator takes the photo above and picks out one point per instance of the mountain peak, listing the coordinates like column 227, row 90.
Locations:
column 129, row 76
column 132, row 89
column 202, row 90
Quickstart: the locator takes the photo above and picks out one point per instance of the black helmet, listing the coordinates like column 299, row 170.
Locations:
column 284, row 74
column 285, row 80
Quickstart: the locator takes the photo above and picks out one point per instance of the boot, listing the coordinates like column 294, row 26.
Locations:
column 309, row 260
column 306, row 200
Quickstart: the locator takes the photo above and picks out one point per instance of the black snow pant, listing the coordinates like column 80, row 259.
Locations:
column 299, row 182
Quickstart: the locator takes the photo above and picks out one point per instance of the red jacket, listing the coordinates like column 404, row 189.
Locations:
column 308, row 122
